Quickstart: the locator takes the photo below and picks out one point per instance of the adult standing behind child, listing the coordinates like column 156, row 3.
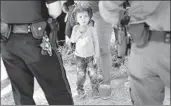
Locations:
column 68, row 8
column 86, row 51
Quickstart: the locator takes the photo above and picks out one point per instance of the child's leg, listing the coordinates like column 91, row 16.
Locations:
column 81, row 74
column 92, row 72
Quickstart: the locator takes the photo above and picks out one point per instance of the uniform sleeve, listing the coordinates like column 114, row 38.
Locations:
column 69, row 3
column 110, row 11
column 68, row 29
column 91, row 3
column 50, row 1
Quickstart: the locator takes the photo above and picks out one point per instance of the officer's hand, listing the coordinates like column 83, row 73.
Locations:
column 65, row 9
column 96, row 60
column 67, row 41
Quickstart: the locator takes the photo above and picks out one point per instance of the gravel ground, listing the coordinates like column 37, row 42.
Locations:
column 119, row 84
column 120, row 93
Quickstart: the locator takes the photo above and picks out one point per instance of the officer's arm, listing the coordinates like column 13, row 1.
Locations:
column 54, row 8
column 63, row 1
column 111, row 10
column 64, row 7
column 66, row 4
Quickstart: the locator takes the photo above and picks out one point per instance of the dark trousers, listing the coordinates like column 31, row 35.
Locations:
column 23, row 60
column 62, row 25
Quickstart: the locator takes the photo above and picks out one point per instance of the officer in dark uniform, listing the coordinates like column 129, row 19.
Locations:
column 23, row 24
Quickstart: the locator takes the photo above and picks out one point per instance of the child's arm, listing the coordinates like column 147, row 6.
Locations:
column 75, row 34
column 96, row 43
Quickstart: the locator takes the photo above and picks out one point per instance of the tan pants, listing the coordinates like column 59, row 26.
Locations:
column 149, row 70
column 104, row 32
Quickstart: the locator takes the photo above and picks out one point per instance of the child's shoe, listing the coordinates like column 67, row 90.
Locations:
column 95, row 94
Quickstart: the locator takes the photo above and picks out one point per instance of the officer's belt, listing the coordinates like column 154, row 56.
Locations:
column 160, row 36
column 23, row 28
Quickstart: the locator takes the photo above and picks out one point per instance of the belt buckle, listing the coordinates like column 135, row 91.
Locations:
column 23, row 28
column 167, row 37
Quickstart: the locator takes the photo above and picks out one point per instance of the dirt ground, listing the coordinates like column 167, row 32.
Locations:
column 119, row 84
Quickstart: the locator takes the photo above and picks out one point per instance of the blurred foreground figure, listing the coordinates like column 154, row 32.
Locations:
column 149, row 64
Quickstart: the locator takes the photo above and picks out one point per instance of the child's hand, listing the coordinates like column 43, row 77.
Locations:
column 82, row 28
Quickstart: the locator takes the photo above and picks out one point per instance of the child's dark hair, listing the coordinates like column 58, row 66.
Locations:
column 80, row 8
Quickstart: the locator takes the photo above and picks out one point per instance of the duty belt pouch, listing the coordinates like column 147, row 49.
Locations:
column 140, row 34
column 5, row 31
column 38, row 29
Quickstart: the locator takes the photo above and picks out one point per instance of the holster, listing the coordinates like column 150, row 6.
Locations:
column 121, row 36
column 5, row 31
column 47, row 31
column 38, row 29
column 139, row 34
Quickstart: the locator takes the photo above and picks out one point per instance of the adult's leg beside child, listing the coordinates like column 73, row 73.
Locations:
column 104, row 32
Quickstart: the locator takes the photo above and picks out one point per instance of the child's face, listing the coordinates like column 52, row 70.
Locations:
column 83, row 18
